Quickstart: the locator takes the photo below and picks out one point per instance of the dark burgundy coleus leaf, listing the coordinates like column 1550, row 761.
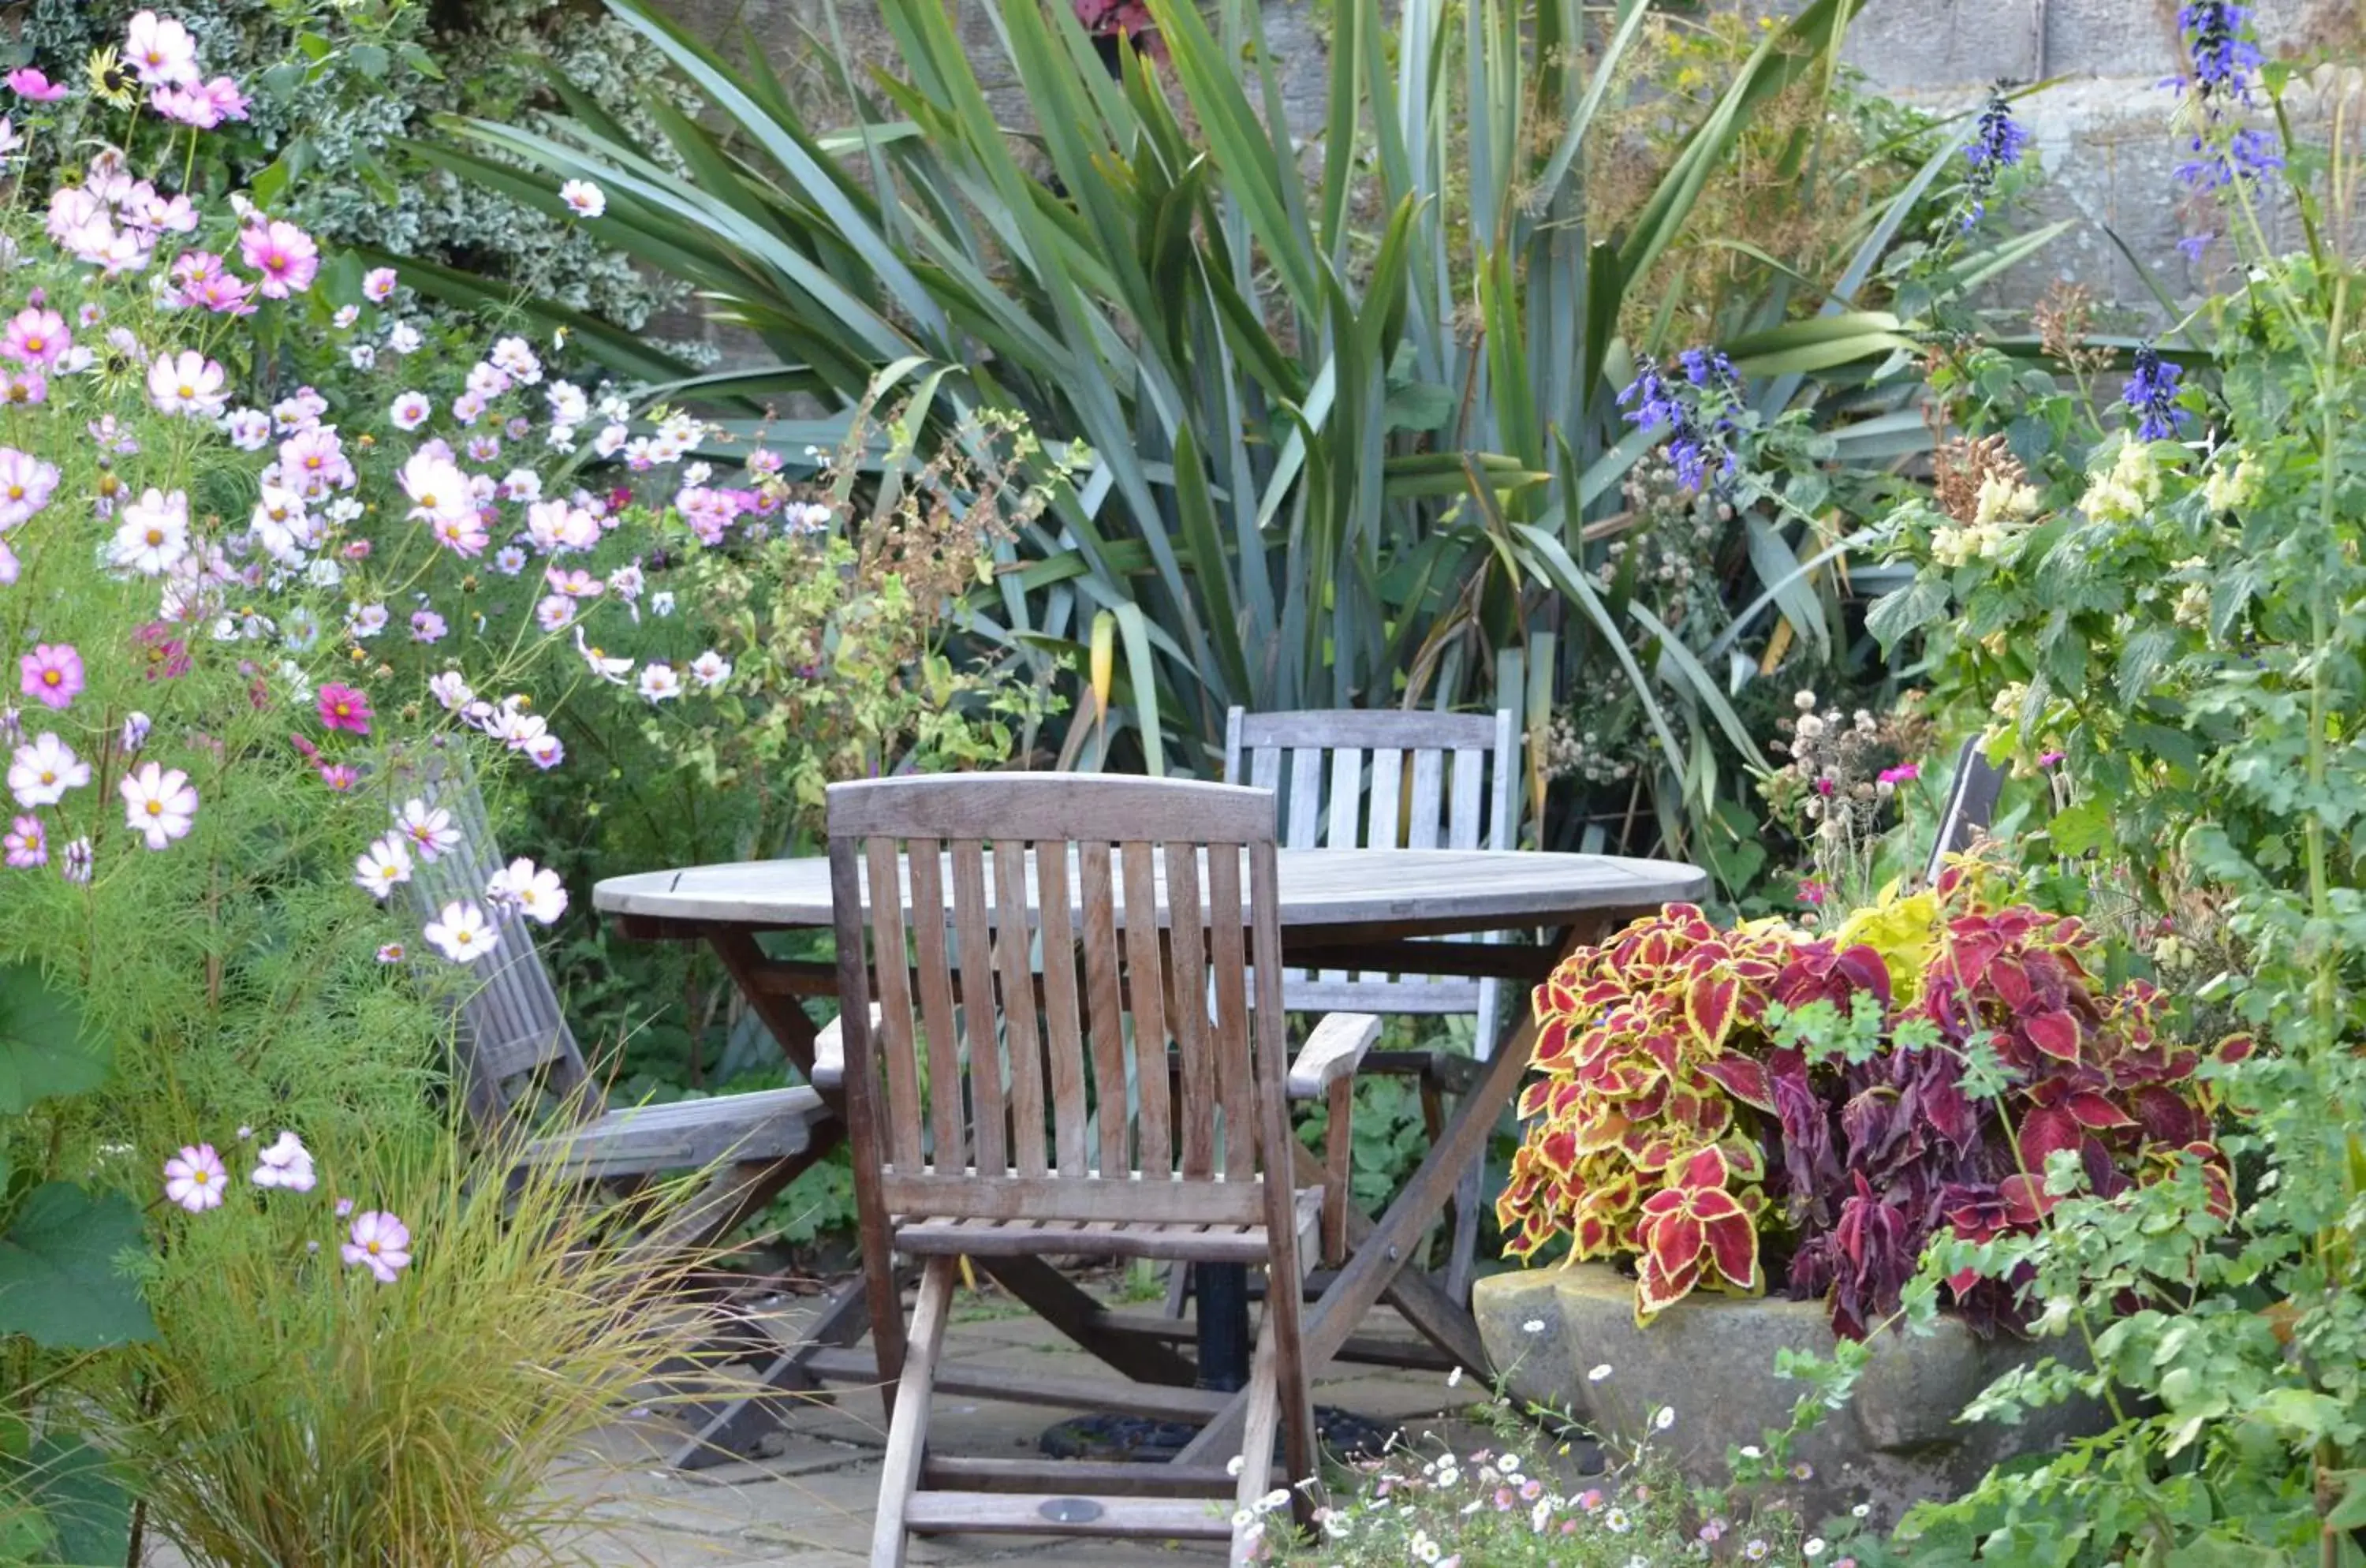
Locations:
column 1874, row 1256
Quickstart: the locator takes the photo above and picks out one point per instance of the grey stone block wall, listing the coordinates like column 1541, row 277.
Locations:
column 2103, row 132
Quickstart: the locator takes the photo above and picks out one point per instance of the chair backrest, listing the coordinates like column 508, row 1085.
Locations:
column 1971, row 804
column 1018, row 1071
column 1385, row 778
column 512, row 1037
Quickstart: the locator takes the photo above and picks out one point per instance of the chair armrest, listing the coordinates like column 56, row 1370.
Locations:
column 1335, row 1048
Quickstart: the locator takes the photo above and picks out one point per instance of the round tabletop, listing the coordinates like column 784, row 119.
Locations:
column 1429, row 891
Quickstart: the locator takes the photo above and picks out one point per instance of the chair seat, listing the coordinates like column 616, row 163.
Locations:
column 766, row 1124
column 922, row 1235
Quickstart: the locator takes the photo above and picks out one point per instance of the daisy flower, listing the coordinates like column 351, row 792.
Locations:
column 159, row 804
column 285, row 1163
column 583, row 199
column 196, row 1179
column 461, row 934
column 41, row 773
column 659, row 683
column 429, row 828
column 383, row 866
column 380, row 1243
column 51, row 675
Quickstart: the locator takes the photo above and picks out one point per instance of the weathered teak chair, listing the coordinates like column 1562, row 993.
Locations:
column 517, row 1056
column 1971, row 803
column 1393, row 778
column 1009, row 1093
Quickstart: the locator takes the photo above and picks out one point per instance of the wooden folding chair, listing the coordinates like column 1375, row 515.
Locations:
column 1009, row 1096
column 1971, row 802
column 517, row 1057
column 1392, row 778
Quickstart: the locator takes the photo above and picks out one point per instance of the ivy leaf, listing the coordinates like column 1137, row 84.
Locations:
column 59, row 1286
column 42, row 1052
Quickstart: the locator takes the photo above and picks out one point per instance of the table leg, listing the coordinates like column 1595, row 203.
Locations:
column 783, row 1015
column 1378, row 1259
column 1223, row 1325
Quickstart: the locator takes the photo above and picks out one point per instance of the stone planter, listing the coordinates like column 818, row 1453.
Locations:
column 1711, row 1358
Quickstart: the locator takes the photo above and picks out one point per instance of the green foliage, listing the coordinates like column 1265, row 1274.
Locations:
column 62, row 1280
column 294, row 1411
column 1308, row 474
column 333, row 84
column 2178, row 625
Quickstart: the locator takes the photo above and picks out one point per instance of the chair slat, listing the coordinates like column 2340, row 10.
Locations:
column 948, row 1139
column 1235, row 1089
column 1152, row 1127
column 1063, row 1044
column 1387, row 828
column 1303, row 831
column 973, row 922
column 1187, row 1002
column 1347, row 799
column 1102, row 963
column 1024, row 1042
column 1428, row 794
column 1462, row 826
column 894, row 1026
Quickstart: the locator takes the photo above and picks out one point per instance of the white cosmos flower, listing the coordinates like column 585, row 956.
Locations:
column 429, row 828
column 285, row 1163
column 535, row 891
column 40, row 773
column 451, row 691
column 383, row 866
column 187, row 384
column 583, row 199
column 461, row 934
column 611, row 669
column 438, row 490
column 659, row 683
column 159, row 804
column 154, row 534
column 710, row 669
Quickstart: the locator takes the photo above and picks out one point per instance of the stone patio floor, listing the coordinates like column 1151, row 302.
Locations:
column 810, row 1506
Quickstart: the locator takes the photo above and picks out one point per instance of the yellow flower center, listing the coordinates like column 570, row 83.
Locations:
column 371, row 1247
column 186, row 391
column 155, row 809
column 16, row 493
column 155, row 534
column 50, row 677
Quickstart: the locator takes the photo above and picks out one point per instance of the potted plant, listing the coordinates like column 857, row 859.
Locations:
column 1746, row 1137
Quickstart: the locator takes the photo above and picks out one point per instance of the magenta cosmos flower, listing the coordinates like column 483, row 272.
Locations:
column 51, row 675
column 36, row 336
column 196, row 1179
column 283, row 254
column 380, row 1243
column 342, row 707
column 28, row 83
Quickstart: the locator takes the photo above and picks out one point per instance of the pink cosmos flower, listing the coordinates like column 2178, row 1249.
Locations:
column 36, row 336
column 427, row 626
column 341, row 777
column 285, row 1163
column 1813, row 892
column 546, row 752
column 312, row 462
column 196, row 1179
column 463, row 536
column 160, row 52
column 25, row 387
column 377, row 285
column 153, row 536
column 51, row 675
column 410, row 410
column 342, row 707
column 554, row 611
column 159, row 804
column 1905, row 773
column 26, row 844
column 26, row 485
column 224, row 294
column 583, row 199
column 28, row 83
column 380, row 1243
column 392, row 953
column 283, row 254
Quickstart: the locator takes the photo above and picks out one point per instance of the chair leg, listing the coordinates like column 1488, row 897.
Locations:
column 1257, row 1447
column 1463, row 1246
column 1178, row 1287
column 908, row 1428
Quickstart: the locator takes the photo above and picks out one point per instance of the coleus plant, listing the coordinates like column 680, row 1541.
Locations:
column 1763, row 1108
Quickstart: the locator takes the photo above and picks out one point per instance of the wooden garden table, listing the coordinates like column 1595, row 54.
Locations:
column 1340, row 909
